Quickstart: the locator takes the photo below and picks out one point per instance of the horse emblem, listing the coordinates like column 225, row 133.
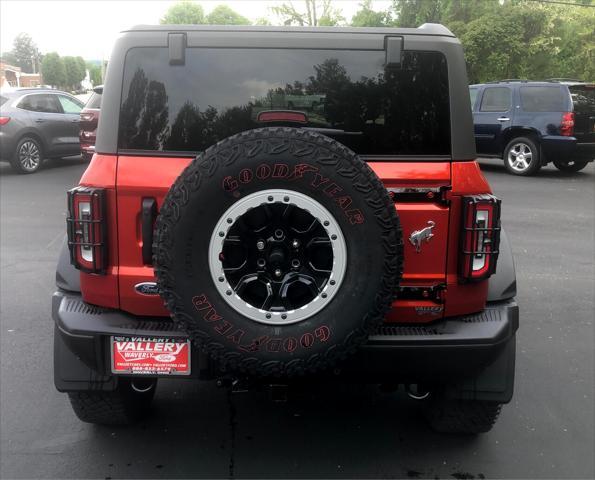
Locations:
column 417, row 237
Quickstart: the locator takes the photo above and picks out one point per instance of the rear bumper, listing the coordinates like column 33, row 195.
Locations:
column 454, row 349
column 556, row 147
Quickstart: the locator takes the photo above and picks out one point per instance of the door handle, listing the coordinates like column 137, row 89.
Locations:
column 39, row 120
column 77, row 120
column 148, row 215
column 503, row 119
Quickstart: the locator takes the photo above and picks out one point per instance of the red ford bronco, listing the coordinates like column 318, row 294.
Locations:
column 272, row 205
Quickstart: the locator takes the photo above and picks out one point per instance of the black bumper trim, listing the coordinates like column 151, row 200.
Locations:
column 453, row 347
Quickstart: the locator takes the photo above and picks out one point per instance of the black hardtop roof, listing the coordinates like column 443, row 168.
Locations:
column 429, row 37
column 430, row 29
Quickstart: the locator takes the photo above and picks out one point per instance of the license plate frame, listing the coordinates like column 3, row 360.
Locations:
column 150, row 356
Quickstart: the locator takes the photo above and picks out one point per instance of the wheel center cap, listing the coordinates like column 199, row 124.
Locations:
column 277, row 256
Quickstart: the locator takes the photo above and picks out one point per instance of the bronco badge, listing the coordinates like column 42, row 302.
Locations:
column 417, row 237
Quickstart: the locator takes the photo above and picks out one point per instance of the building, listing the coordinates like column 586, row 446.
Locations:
column 14, row 77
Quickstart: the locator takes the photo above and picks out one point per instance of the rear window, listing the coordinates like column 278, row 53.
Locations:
column 347, row 95
column 583, row 98
column 542, row 99
column 94, row 101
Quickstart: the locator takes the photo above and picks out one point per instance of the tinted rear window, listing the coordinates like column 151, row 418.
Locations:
column 94, row 101
column 583, row 98
column 543, row 99
column 347, row 94
column 495, row 99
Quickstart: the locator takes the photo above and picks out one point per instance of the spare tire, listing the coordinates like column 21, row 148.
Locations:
column 278, row 250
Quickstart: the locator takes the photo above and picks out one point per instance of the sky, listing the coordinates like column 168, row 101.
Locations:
column 89, row 28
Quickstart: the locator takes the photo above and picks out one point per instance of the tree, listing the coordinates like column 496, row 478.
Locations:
column 94, row 74
column 184, row 12
column 10, row 58
column 316, row 13
column 366, row 17
column 25, row 52
column 74, row 73
column 413, row 13
column 223, row 15
column 52, row 70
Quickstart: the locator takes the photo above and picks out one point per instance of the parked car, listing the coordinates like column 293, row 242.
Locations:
column 530, row 124
column 208, row 243
column 36, row 124
column 89, row 121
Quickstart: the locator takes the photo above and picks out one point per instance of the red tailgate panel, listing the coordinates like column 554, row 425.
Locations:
column 138, row 178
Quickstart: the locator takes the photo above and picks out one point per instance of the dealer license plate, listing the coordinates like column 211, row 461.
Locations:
column 150, row 356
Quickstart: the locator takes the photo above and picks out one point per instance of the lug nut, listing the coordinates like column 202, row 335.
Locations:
column 278, row 272
column 260, row 245
column 279, row 233
column 295, row 263
column 295, row 243
column 261, row 262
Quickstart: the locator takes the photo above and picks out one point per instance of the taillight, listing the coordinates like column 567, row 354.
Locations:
column 86, row 117
column 87, row 229
column 567, row 125
column 4, row 120
column 480, row 237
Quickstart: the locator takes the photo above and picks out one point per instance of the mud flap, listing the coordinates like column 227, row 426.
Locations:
column 494, row 384
column 71, row 374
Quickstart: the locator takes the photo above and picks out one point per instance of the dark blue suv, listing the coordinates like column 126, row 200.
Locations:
column 530, row 124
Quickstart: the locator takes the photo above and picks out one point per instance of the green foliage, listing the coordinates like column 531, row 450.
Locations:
column 367, row 17
column 184, row 12
column 95, row 74
column 223, row 15
column 314, row 13
column 24, row 54
column 74, row 71
column 513, row 38
column 10, row 58
column 52, row 70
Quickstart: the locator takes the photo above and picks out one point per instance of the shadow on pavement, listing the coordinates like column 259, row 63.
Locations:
column 340, row 431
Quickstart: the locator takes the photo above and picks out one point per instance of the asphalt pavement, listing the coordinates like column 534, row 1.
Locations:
column 197, row 430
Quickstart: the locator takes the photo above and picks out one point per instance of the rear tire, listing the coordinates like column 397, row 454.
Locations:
column 522, row 157
column 468, row 417
column 123, row 406
column 570, row 166
column 28, row 156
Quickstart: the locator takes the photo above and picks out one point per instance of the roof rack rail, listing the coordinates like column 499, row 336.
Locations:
column 563, row 79
column 509, row 80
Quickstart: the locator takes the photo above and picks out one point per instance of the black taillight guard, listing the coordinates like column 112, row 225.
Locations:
column 471, row 234
column 87, row 233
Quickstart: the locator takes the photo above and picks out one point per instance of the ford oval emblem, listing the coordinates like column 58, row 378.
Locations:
column 147, row 288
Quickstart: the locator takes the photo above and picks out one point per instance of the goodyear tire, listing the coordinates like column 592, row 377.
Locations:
column 278, row 250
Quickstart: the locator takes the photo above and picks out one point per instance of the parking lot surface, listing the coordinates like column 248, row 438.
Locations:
column 197, row 430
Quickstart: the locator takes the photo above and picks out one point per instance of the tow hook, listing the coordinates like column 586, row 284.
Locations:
column 142, row 385
column 417, row 392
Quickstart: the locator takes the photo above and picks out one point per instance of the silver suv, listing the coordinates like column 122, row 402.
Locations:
column 36, row 124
